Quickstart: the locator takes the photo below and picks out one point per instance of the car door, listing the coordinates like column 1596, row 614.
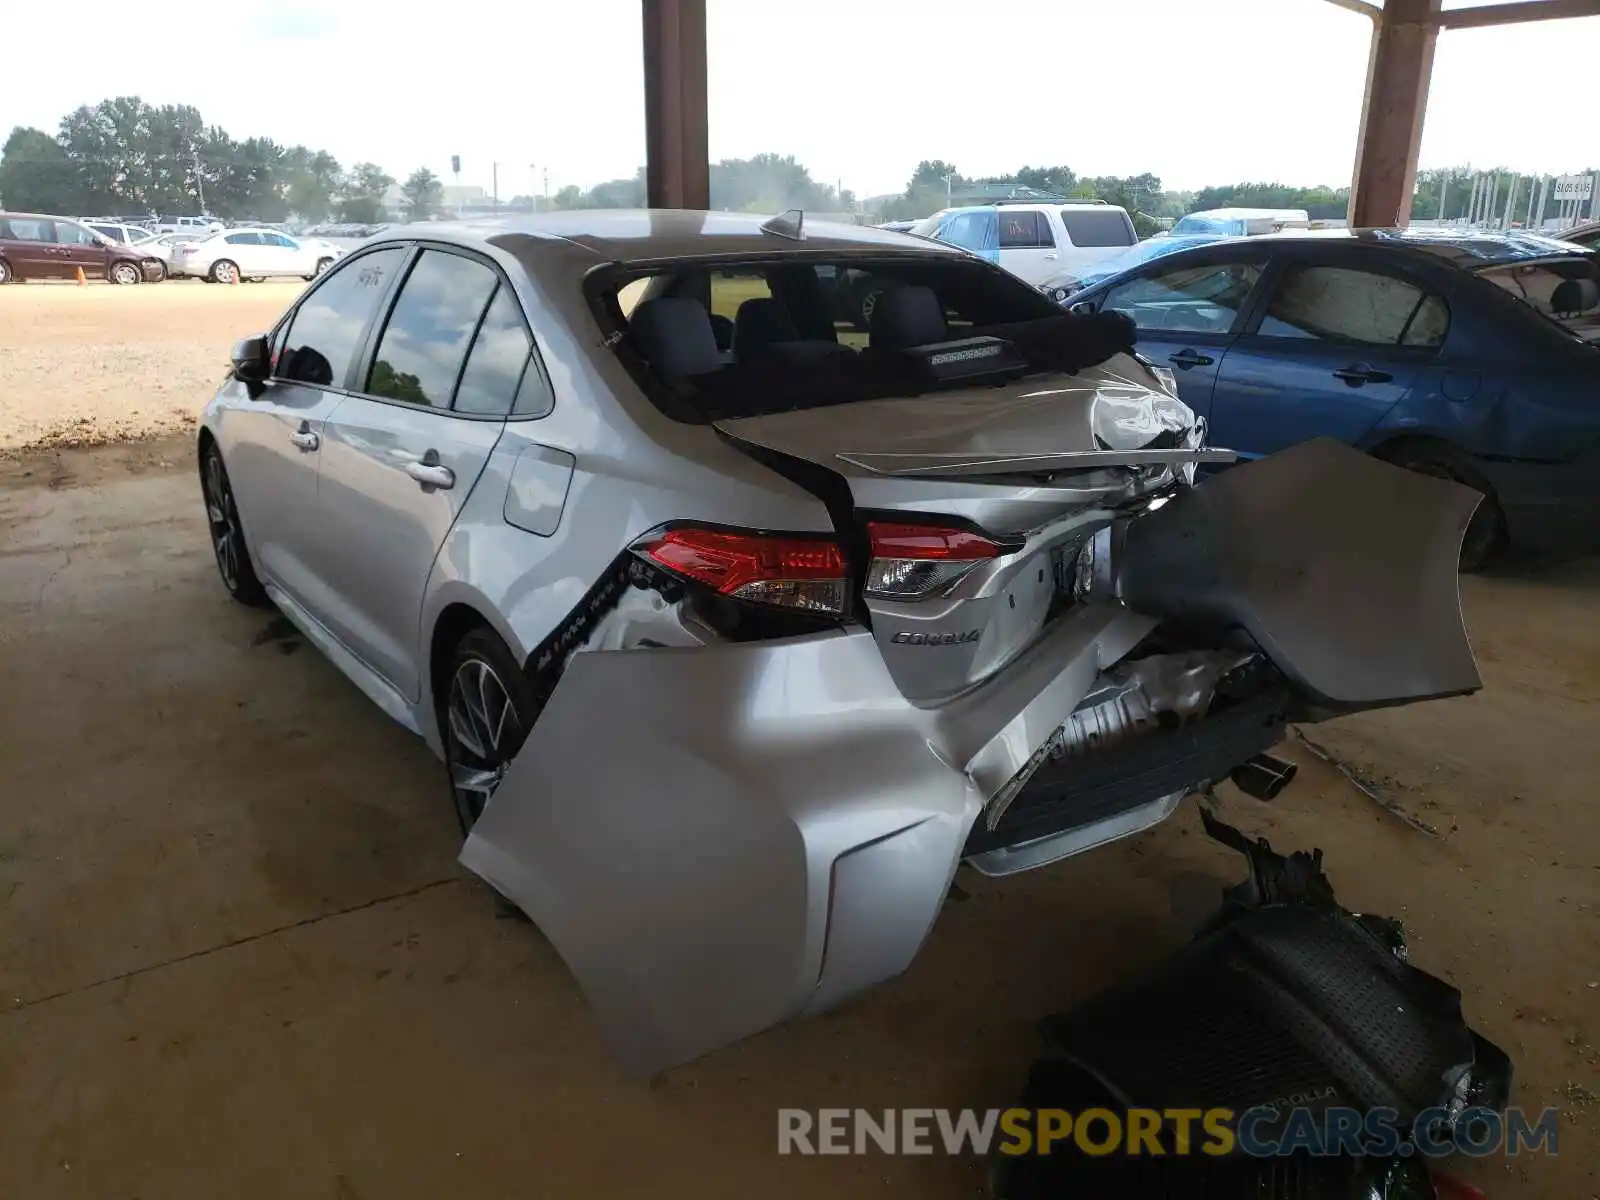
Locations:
column 248, row 253
column 1333, row 348
column 1187, row 314
column 79, row 247
column 1027, row 245
column 289, row 256
column 272, row 442
column 402, row 455
column 30, row 248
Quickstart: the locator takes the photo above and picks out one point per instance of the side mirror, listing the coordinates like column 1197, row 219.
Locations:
column 1082, row 308
column 252, row 361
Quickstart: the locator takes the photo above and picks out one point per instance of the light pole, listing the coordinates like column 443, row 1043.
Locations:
column 546, row 170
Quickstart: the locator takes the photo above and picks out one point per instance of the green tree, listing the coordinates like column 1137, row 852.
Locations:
column 570, row 196
column 310, row 182
column 361, row 193
column 35, row 173
column 423, row 194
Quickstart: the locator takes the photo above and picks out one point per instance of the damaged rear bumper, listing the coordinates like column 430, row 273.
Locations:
column 719, row 838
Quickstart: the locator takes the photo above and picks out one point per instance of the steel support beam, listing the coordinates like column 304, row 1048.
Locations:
column 677, row 170
column 1521, row 10
column 1398, row 70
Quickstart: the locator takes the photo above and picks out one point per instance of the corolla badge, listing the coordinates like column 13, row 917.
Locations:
column 935, row 639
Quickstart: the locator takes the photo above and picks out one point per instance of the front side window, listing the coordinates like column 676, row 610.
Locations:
column 114, row 232
column 1098, row 227
column 1026, row 230
column 278, row 239
column 425, row 340
column 1337, row 304
column 326, row 329
column 1188, row 299
column 70, row 233
column 495, row 365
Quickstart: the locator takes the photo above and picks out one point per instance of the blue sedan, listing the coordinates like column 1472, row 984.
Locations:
column 1464, row 354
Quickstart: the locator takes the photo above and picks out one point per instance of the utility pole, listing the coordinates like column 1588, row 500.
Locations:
column 1444, row 193
column 495, row 176
column 200, row 182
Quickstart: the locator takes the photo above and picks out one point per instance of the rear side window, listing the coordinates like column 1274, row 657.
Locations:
column 326, row 329
column 1341, row 305
column 496, row 365
column 23, row 229
column 1096, row 227
column 1027, row 230
column 1187, row 299
column 425, row 340
column 243, row 239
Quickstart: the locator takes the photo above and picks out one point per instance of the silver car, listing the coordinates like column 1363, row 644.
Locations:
column 739, row 631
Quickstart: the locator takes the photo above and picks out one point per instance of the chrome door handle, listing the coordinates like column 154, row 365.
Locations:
column 1051, row 257
column 431, row 474
column 305, row 439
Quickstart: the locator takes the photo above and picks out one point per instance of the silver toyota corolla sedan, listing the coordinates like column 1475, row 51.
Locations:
column 739, row 629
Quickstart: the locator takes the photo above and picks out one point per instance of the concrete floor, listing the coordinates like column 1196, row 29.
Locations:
column 237, row 957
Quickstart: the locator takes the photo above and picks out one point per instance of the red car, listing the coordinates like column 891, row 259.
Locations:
column 43, row 247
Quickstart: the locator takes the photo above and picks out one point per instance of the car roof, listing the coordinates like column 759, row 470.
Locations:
column 1470, row 249
column 642, row 235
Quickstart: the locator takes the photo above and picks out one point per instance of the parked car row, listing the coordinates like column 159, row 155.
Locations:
column 39, row 246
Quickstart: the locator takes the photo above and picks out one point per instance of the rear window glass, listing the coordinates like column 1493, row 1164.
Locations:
column 1566, row 292
column 1025, row 230
column 1090, row 227
column 806, row 334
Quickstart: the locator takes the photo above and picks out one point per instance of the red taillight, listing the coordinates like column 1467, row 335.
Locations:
column 929, row 542
column 913, row 562
column 792, row 572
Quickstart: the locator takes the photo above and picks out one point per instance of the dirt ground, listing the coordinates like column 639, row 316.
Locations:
column 237, row 957
column 83, row 366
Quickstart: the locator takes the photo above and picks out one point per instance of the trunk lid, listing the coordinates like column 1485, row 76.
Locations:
column 1037, row 465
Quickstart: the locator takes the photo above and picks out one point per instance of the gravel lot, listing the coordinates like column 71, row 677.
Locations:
column 86, row 366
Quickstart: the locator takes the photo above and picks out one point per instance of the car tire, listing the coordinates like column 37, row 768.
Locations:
column 163, row 276
column 227, row 533
column 1486, row 533
column 224, row 270
column 486, row 705
column 125, row 274
column 5, row 271
column 322, row 265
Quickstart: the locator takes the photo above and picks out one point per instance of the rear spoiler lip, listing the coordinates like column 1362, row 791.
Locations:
column 912, row 463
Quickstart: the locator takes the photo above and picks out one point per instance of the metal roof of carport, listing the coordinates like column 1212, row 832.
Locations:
column 678, row 170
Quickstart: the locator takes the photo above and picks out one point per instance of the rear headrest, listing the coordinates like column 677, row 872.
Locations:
column 760, row 323
column 1575, row 296
column 907, row 316
column 675, row 334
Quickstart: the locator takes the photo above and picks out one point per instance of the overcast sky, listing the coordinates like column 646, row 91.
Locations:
column 1197, row 91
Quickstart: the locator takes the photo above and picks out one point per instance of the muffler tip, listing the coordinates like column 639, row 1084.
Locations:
column 1263, row 777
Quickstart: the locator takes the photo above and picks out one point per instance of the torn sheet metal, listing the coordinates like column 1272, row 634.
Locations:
column 1114, row 409
column 1344, row 569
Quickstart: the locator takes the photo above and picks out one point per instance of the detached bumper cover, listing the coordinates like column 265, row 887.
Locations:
column 1344, row 569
